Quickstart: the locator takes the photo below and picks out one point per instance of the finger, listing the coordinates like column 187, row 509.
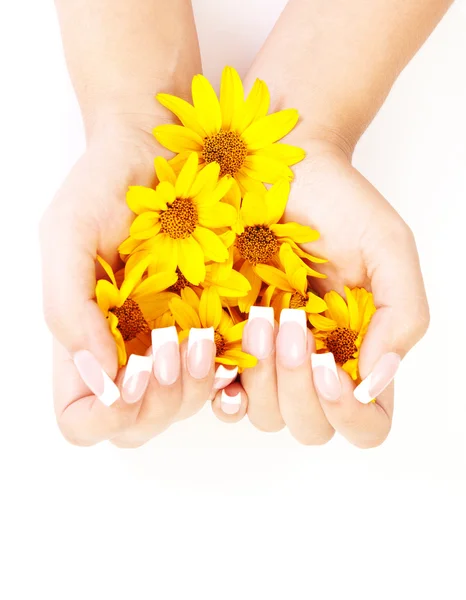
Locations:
column 402, row 314
column 82, row 417
column 223, row 377
column 260, row 382
column 197, row 370
column 230, row 404
column 364, row 425
column 162, row 398
column 299, row 404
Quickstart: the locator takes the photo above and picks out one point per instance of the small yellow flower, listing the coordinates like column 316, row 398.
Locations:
column 206, row 311
column 235, row 133
column 290, row 288
column 132, row 307
column 260, row 235
column 343, row 326
column 175, row 221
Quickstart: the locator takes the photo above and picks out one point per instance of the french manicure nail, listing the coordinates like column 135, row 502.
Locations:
column 224, row 377
column 136, row 377
column 259, row 331
column 165, row 350
column 292, row 338
column 201, row 351
column 325, row 375
column 381, row 376
column 230, row 404
column 95, row 377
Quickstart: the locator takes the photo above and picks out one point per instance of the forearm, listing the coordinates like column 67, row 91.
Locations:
column 336, row 60
column 120, row 53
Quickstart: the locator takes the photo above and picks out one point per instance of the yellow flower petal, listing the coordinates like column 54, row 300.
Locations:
column 234, row 285
column 272, row 276
column 289, row 155
column 270, row 128
column 186, row 177
column 107, row 268
column 211, row 245
column 190, row 296
column 247, row 301
column 351, row 367
column 107, row 295
column 240, row 358
column 322, row 323
column 276, row 199
column 141, row 199
column 142, row 223
column 254, row 210
column 231, row 99
column 299, row 233
column 352, row 310
column 153, row 306
column 256, row 105
column 315, row 304
column 166, row 192
column 185, row 315
column 207, row 105
column 177, row 138
column 210, row 308
column 265, row 169
column 337, row 308
column 133, row 276
column 220, row 190
column 298, row 281
column 191, row 260
column 164, row 171
column 235, row 333
column 206, row 180
column 183, row 110
column 217, row 216
column 120, row 344
column 154, row 284
column 164, row 254
column 289, row 260
column 248, row 184
column 129, row 245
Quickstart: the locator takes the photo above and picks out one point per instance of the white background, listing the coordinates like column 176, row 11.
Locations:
column 221, row 511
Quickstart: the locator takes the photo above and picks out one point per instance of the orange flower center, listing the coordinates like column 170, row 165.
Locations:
column 131, row 321
column 220, row 343
column 341, row 342
column 227, row 149
column 180, row 284
column 298, row 300
column 257, row 244
column 180, row 219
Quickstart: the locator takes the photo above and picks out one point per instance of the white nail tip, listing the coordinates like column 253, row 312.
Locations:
column 111, row 392
column 197, row 335
column 224, row 373
column 163, row 336
column 361, row 393
column 137, row 364
column 294, row 315
column 233, row 400
column 262, row 312
column 326, row 360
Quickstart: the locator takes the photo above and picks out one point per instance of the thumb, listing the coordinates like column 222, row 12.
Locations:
column 401, row 318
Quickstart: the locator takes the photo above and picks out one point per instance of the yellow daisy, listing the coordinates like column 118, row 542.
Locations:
column 174, row 222
column 132, row 307
column 341, row 329
column 235, row 133
column 206, row 311
column 290, row 288
column 260, row 235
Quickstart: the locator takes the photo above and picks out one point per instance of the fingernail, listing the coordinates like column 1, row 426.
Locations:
column 136, row 377
column 258, row 332
column 230, row 404
column 325, row 375
column 95, row 377
column 380, row 377
column 292, row 337
column 166, row 353
column 201, row 352
column 224, row 377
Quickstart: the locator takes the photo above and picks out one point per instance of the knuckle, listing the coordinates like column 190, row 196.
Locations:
column 71, row 435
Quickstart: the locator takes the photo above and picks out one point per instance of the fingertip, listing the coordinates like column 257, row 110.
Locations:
column 230, row 404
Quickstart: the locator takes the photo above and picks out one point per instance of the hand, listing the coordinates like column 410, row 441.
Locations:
column 368, row 245
column 89, row 217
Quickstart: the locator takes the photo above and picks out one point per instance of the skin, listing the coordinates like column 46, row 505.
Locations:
column 117, row 69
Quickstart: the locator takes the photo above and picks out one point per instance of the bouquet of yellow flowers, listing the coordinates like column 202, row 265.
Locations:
column 209, row 241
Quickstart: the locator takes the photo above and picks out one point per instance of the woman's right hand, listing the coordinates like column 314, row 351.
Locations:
column 89, row 217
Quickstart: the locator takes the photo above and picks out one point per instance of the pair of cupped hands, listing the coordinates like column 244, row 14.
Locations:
column 365, row 240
